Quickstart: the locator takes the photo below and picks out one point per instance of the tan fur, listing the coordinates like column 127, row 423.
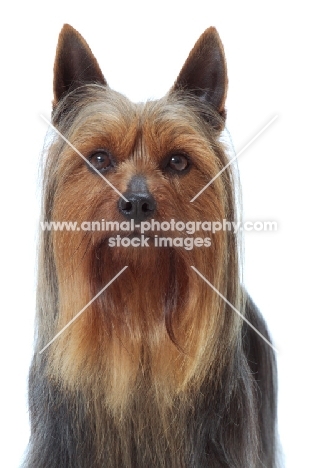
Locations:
column 119, row 342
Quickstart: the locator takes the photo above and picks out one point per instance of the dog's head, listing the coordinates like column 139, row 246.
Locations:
column 140, row 162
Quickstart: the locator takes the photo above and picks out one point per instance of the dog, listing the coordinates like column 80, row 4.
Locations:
column 140, row 359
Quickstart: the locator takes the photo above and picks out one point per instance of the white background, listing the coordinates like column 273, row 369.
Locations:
column 141, row 47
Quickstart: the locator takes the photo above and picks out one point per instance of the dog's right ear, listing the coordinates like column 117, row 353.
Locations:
column 75, row 64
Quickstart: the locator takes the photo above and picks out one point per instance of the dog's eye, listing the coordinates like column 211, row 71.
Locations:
column 101, row 160
column 178, row 162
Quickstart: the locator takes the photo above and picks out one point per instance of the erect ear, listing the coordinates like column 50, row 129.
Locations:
column 204, row 73
column 74, row 65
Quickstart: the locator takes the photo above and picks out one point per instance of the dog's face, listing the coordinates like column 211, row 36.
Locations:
column 158, row 156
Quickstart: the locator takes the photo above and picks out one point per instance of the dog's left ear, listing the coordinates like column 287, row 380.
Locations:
column 204, row 74
column 75, row 64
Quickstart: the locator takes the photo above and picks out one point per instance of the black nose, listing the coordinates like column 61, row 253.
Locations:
column 139, row 206
column 141, row 203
